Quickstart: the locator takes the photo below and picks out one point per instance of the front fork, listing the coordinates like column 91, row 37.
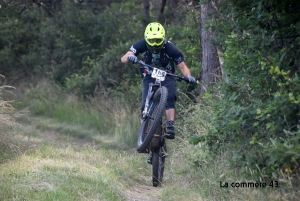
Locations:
column 145, row 112
column 149, row 95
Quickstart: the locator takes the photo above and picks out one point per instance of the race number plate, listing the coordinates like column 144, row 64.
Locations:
column 159, row 74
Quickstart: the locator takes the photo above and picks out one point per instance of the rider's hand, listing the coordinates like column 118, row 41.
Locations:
column 132, row 58
column 191, row 79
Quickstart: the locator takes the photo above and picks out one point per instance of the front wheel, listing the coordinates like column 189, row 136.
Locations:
column 152, row 121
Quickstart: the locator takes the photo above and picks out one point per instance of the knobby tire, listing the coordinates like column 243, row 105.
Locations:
column 158, row 164
column 150, row 124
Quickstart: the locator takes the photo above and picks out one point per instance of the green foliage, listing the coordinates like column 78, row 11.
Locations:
column 185, row 35
column 93, row 64
column 257, row 115
column 64, row 43
column 106, row 74
column 80, row 44
column 18, row 44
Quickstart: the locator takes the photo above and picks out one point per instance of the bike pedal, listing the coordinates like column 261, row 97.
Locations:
column 170, row 136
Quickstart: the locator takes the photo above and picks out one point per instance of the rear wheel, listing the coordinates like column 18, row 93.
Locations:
column 158, row 164
column 150, row 124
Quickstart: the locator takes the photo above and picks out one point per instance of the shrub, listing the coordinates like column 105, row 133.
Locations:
column 257, row 116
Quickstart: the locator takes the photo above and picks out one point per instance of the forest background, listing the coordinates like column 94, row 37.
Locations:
column 245, row 52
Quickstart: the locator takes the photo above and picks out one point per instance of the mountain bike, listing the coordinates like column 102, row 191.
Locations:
column 151, row 137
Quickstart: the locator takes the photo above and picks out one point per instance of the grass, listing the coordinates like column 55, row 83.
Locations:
column 101, row 116
column 55, row 168
column 7, row 121
column 58, row 174
column 64, row 171
column 64, row 156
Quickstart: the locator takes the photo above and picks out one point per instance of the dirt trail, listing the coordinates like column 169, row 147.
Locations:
column 139, row 192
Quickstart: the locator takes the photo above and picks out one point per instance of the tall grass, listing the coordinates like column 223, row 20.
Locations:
column 7, row 122
column 105, row 116
column 6, row 109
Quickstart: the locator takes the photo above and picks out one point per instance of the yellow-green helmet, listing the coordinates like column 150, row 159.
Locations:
column 154, row 36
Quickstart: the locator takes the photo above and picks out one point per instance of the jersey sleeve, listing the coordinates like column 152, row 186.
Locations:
column 138, row 47
column 174, row 53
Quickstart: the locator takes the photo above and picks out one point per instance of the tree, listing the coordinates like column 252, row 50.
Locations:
column 211, row 68
column 161, row 9
column 173, row 4
column 146, row 19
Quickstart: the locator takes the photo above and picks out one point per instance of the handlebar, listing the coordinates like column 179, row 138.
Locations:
column 179, row 78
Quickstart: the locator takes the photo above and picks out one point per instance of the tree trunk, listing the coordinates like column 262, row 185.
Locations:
column 211, row 69
column 161, row 10
column 146, row 6
column 173, row 4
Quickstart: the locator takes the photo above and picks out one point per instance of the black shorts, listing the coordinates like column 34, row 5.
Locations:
column 169, row 83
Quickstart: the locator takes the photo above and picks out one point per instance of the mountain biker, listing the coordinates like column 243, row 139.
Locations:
column 159, row 52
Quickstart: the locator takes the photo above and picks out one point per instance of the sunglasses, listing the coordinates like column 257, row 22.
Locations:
column 156, row 40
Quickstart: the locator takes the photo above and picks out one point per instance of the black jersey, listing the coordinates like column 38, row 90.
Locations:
column 168, row 55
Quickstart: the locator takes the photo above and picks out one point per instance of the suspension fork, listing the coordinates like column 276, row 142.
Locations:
column 151, row 91
column 149, row 95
